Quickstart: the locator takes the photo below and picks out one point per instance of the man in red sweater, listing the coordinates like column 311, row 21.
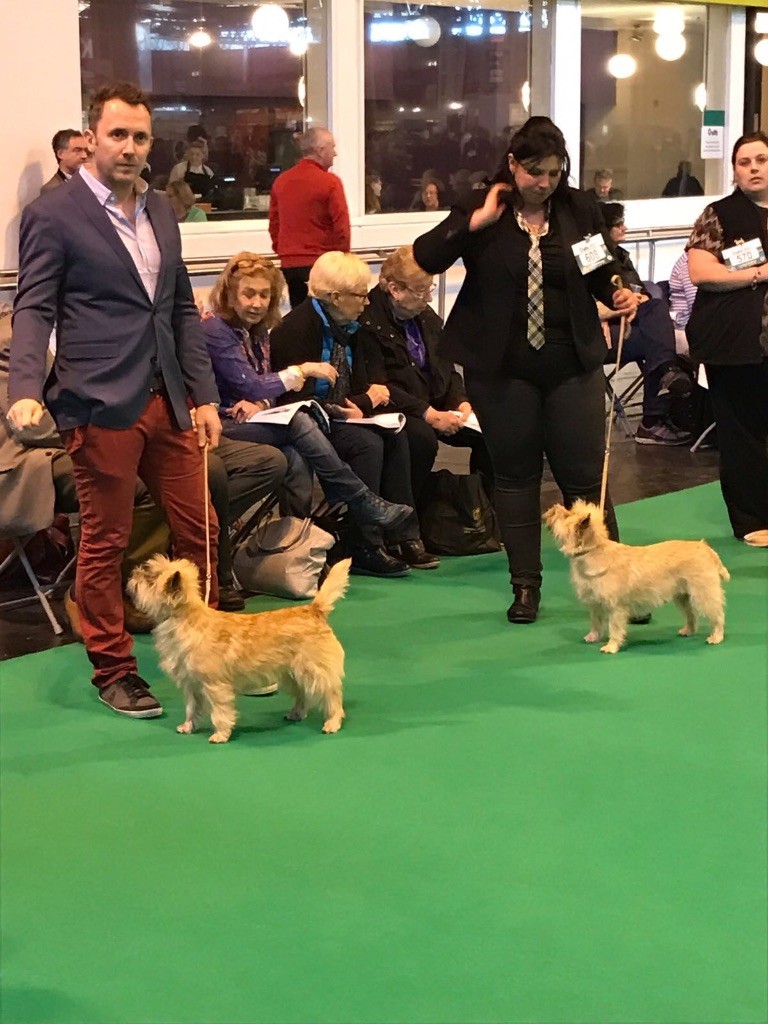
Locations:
column 308, row 212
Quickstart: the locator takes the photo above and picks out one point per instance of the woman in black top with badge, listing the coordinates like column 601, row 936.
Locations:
column 728, row 333
column 526, row 330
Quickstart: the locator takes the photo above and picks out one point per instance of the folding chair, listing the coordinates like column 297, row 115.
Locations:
column 620, row 399
column 42, row 592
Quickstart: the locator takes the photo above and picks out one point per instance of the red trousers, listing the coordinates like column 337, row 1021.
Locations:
column 106, row 464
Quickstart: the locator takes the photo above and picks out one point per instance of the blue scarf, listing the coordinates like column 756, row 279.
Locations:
column 322, row 387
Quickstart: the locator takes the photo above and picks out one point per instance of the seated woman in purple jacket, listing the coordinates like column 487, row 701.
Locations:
column 245, row 302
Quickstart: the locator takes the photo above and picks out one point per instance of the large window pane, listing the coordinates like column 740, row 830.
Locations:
column 213, row 74
column 642, row 82
column 444, row 83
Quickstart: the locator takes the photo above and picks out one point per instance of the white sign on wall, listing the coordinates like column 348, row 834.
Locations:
column 713, row 135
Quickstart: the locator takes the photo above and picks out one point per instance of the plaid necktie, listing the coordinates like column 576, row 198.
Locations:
column 535, row 282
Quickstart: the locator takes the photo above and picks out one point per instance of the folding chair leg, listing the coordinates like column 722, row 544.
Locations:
column 41, row 596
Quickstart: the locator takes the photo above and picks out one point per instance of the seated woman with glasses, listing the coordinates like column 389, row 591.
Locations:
column 245, row 304
column 324, row 328
column 401, row 335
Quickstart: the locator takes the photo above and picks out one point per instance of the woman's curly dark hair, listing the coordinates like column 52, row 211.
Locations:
column 537, row 139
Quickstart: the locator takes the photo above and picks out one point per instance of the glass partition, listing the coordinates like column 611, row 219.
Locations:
column 444, row 86
column 231, row 86
column 643, row 93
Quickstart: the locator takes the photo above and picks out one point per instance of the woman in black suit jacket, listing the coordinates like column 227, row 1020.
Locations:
column 535, row 382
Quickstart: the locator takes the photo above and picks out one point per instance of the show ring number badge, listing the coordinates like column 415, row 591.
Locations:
column 744, row 254
column 591, row 253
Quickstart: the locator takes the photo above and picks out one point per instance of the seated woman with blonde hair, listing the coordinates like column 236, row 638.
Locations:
column 323, row 327
column 245, row 304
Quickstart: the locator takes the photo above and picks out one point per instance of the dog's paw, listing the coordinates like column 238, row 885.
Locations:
column 219, row 737
column 185, row 728
column 609, row 648
column 296, row 715
column 592, row 637
column 685, row 631
column 715, row 638
column 333, row 724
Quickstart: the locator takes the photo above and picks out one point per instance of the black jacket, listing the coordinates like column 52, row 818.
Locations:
column 724, row 327
column 412, row 389
column 299, row 339
column 480, row 324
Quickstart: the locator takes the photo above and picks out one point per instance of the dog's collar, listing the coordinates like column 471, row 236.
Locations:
column 590, row 575
column 585, row 552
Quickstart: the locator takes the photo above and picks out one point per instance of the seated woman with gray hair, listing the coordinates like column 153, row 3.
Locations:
column 323, row 328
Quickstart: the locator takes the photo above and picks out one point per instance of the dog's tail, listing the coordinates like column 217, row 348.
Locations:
column 721, row 570
column 334, row 587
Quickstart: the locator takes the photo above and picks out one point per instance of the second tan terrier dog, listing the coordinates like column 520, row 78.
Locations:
column 617, row 581
column 212, row 656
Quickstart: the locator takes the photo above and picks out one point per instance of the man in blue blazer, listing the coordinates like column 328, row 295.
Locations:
column 131, row 389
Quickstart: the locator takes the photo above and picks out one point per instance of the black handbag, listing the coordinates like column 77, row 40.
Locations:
column 457, row 517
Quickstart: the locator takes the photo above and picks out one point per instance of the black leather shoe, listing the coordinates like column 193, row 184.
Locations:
column 415, row 554
column 371, row 510
column 230, row 600
column 525, row 607
column 376, row 562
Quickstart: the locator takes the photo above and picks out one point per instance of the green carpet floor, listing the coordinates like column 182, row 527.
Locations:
column 511, row 826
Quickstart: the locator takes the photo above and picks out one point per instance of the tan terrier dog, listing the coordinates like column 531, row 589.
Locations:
column 617, row 581
column 212, row 656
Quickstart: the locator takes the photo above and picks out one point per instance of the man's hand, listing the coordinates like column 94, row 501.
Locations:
column 321, row 371
column 466, row 411
column 27, row 412
column 348, row 411
column 242, row 411
column 378, row 394
column 205, row 420
column 443, row 422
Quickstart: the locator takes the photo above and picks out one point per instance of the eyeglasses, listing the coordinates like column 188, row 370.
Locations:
column 420, row 293
column 356, row 295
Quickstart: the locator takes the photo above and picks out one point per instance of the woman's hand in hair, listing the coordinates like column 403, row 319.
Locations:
column 492, row 209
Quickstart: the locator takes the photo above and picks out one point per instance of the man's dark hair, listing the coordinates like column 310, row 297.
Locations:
column 613, row 214
column 62, row 138
column 128, row 92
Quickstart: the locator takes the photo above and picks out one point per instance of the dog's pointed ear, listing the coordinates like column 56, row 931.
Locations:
column 583, row 524
column 173, row 583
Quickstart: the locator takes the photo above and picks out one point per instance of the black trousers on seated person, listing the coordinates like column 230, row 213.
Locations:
column 651, row 343
column 381, row 460
column 522, row 419
column 423, row 445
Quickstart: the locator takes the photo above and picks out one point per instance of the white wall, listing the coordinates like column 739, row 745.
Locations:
column 40, row 87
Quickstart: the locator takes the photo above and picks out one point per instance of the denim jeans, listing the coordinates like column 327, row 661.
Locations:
column 307, row 448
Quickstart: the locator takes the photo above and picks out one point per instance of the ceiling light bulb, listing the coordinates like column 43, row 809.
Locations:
column 761, row 52
column 622, row 65
column 670, row 47
column 200, row 38
column 270, row 23
column 669, row 21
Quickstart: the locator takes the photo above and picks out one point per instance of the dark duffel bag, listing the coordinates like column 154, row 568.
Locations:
column 457, row 517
